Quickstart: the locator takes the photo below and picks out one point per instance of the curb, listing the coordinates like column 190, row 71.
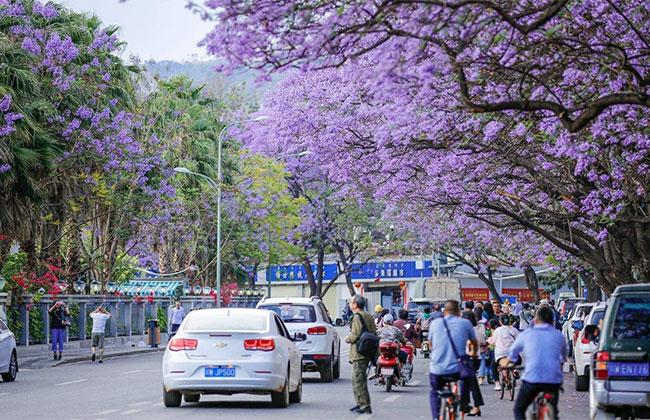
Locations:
column 33, row 364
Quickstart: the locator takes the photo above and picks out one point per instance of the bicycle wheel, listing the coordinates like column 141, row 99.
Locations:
column 547, row 412
column 503, row 382
column 444, row 409
column 512, row 384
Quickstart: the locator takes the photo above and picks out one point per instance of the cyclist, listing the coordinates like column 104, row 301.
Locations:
column 546, row 350
column 444, row 362
column 423, row 322
column 503, row 337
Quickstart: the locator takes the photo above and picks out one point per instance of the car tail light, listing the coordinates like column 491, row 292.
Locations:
column 178, row 344
column 263, row 344
column 317, row 330
column 600, row 365
column 575, row 336
column 320, row 356
column 584, row 340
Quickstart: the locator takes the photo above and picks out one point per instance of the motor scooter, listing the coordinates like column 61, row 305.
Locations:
column 407, row 370
column 388, row 369
column 425, row 347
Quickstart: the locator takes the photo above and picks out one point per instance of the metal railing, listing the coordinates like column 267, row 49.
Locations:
column 30, row 320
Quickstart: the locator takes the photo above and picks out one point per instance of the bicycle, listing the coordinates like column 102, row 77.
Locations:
column 542, row 407
column 450, row 400
column 508, row 381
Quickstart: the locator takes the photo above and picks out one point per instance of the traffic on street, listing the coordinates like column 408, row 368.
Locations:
column 131, row 387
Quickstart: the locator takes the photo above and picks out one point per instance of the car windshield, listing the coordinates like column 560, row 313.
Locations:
column 206, row 321
column 293, row 313
column 632, row 319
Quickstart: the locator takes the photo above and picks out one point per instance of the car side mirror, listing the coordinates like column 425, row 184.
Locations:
column 577, row 325
column 592, row 332
column 299, row 337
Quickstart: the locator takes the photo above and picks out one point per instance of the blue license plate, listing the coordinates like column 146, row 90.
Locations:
column 628, row 369
column 220, row 372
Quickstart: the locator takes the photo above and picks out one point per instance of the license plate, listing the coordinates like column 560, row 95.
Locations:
column 387, row 371
column 628, row 369
column 220, row 372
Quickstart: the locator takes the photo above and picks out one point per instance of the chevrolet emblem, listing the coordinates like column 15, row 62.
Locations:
column 220, row 345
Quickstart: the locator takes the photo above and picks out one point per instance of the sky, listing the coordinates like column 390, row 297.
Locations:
column 153, row 29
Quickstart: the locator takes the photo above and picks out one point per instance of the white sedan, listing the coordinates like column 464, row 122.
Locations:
column 8, row 356
column 229, row 351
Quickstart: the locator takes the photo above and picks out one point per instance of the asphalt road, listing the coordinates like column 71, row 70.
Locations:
column 131, row 388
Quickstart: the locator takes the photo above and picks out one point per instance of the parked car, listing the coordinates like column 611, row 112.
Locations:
column 321, row 351
column 232, row 350
column 620, row 371
column 583, row 348
column 564, row 306
column 8, row 355
column 578, row 313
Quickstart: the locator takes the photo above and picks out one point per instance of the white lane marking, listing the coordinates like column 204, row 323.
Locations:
column 129, row 412
column 72, row 382
column 139, row 404
column 392, row 398
column 103, row 413
column 157, row 405
column 130, row 372
column 364, row 416
column 415, row 383
column 3, row 393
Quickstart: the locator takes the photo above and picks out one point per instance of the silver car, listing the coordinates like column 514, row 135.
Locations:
column 229, row 351
column 8, row 356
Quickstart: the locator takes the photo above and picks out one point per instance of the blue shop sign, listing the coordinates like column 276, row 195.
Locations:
column 298, row 273
column 389, row 270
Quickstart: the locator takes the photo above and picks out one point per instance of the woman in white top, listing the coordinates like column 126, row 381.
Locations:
column 504, row 338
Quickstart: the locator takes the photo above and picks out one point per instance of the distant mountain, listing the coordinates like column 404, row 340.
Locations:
column 204, row 72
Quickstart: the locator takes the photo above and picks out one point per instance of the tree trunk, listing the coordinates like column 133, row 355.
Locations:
column 28, row 246
column 532, row 283
column 320, row 267
column 310, row 276
column 489, row 282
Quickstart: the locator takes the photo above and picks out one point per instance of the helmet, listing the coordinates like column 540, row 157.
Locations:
column 378, row 308
column 543, row 302
column 388, row 319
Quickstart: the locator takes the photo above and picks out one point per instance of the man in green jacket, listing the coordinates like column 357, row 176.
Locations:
column 359, row 361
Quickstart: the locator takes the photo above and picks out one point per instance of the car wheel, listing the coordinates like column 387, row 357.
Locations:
column 582, row 382
column 192, row 398
column 598, row 414
column 337, row 367
column 171, row 398
column 327, row 374
column 296, row 396
column 281, row 399
column 10, row 376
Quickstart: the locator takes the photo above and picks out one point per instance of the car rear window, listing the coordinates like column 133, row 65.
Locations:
column 292, row 313
column 596, row 317
column 632, row 319
column 197, row 321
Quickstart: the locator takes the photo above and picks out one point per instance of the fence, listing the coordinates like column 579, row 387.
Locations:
column 30, row 321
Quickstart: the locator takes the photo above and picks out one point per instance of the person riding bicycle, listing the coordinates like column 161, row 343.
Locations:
column 391, row 334
column 444, row 362
column 503, row 337
column 423, row 322
column 546, row 350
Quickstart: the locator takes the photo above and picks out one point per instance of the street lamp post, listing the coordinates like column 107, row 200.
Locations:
column 217, row 186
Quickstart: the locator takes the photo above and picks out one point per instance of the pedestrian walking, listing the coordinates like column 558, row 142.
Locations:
column 99, row 317
column 59, row 313
column 472, row 382
column 361, row 321
column 177, row 317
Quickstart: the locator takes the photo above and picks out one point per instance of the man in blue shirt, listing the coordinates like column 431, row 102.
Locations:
column 444, row 362
column 545, row 349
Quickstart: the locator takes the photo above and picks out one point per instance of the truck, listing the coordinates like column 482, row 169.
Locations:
column 433, row 290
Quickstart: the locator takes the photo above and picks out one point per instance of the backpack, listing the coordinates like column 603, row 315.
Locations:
column 425, row 323
column 368, row 342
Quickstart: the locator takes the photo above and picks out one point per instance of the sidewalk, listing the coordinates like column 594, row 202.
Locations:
column 41, row 356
